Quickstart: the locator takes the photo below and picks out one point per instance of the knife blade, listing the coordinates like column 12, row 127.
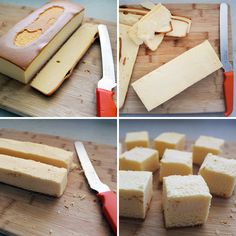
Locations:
column 224, row 54
column 105, row 195
column 106, row 106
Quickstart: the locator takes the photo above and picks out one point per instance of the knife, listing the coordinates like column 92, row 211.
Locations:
column 106, row 106
column 105, row 195
column 224, row 54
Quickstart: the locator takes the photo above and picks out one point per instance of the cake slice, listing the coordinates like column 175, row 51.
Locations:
column 154, row 43
column 61, row 65
column 129, row 18
column 32, row 41
column 128, row 54
column 32, row 175
column 148, row 25
column 37, row 152
column 170, row 79
column 179, row 28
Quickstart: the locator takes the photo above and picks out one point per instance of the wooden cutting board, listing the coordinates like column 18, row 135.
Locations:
column 219, row 221
column 206, row 95
column 28, row 213
column 76, row 97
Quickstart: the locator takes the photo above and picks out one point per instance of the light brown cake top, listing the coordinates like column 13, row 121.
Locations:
column 219, row 165
column 22, row 43
column 209, row 142
column 178, row 186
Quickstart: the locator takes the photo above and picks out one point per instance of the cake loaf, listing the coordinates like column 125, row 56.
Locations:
column 32, row 41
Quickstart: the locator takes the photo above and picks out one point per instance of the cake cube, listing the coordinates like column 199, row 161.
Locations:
column 205, row 145
column 135, row 193
column 175, row 162
column 219, row 174
column 139, row 158
column 186, row 200
column 169, row 140
column 136, row 139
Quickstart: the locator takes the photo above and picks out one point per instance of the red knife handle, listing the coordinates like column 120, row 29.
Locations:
column 229, row 92
column 109, row 208
column 105, row 103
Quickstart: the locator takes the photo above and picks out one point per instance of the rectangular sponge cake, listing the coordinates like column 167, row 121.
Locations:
column 37, row 152
column 32, row 175
column 26, row 47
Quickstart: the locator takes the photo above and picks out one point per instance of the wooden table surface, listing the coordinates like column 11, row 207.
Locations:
column 206, row 95
column 76, row 97
column 221, row 220
column 28, row 213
